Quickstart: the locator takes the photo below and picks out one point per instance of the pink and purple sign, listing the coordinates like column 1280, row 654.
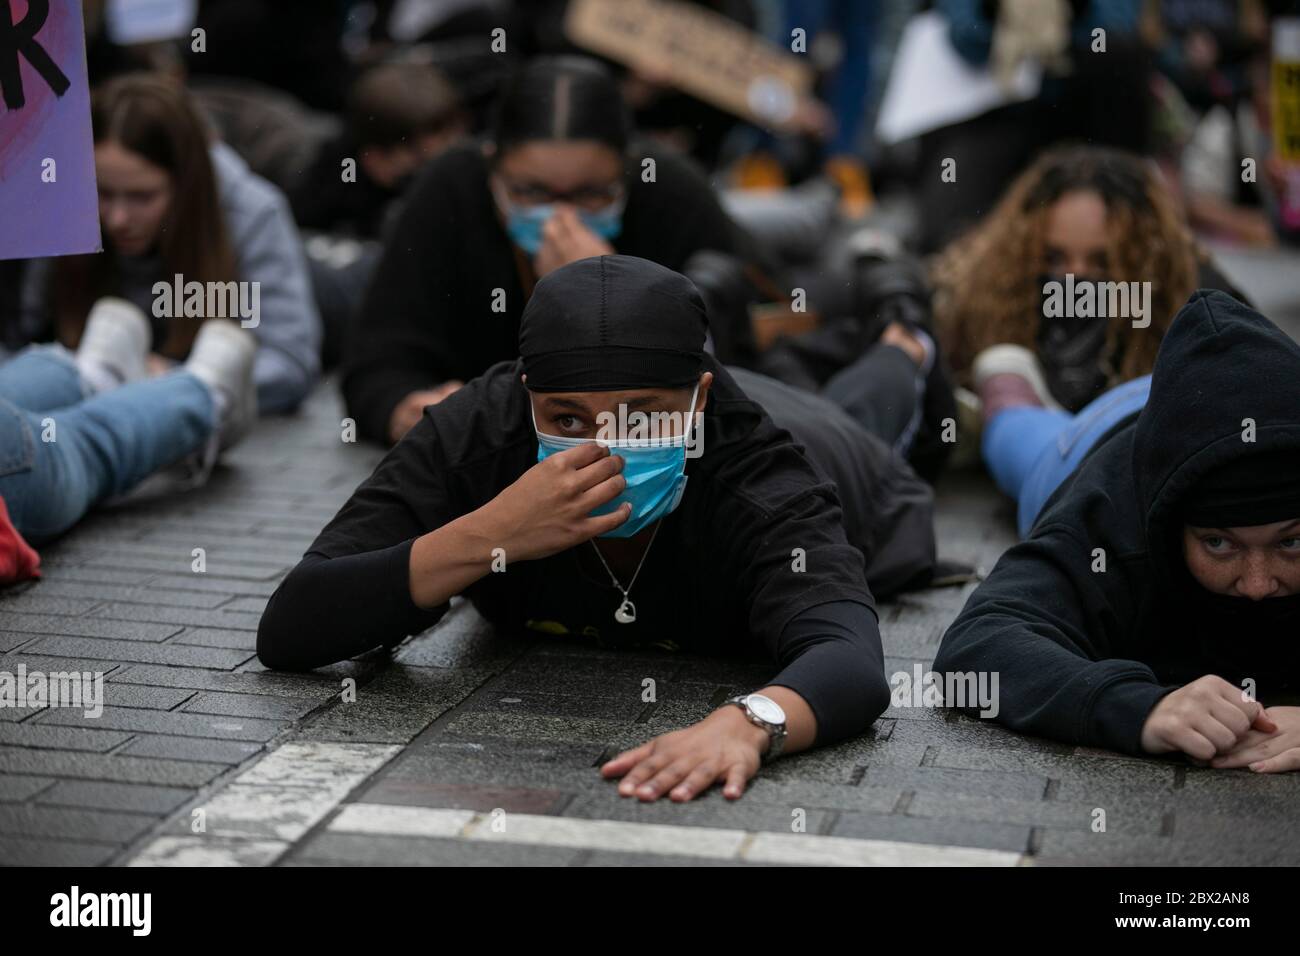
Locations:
column 48, row 200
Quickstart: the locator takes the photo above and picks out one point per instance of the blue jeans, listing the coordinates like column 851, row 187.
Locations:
column 62, row 452
column 1030, row 450
column 848, row 91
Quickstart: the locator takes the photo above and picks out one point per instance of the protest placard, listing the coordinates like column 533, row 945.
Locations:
column 703, row 52
column 48, row 199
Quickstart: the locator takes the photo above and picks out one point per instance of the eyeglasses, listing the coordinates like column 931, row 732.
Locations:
column 591, row 198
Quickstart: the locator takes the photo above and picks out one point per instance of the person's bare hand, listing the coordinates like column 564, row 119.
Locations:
column 897, row 335
column 814, row 118
column 548, row 508
column 1209, row 716
column 565, row 239
column 408, row 410
column 1267, row 752
column 724, row 746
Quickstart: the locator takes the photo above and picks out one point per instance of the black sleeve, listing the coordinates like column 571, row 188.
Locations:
column 1054, row 635
column 831, row 656
column 397, row 343
column 330, row 609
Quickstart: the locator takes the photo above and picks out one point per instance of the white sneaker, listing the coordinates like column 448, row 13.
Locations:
column 114, row 344
column 222, row 358
column 1014, row 360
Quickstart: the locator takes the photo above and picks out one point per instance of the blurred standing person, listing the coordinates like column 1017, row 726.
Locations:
column 1222, row 200
column 842, row 34
column 1101, row 99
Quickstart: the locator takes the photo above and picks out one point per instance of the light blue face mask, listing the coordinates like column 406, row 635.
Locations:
column 524, row 223
column 654, row 468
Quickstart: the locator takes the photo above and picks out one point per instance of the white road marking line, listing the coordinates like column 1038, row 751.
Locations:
column 204, row 851
column 255, row 818
column 382, row 818
column 657, row 838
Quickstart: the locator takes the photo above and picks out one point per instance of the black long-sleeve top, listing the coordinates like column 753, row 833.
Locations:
column 753, row 561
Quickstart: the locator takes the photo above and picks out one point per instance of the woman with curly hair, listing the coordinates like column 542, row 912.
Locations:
column 1079, row 224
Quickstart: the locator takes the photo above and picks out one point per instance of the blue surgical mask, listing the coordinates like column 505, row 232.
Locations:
column 524, row 223
column 654, row 468
column 608, row 222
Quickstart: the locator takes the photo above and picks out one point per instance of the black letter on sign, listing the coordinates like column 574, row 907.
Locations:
column 16, row 38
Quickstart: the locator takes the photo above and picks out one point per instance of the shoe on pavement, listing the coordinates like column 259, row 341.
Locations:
column 222, row 358
column 114, row 344
column 1010, row 360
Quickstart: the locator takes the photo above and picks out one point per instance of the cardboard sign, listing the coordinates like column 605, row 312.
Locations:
column 49, row 204
column 704, row 53
column 930, row 86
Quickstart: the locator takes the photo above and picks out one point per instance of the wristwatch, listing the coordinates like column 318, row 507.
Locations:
column 766, row 713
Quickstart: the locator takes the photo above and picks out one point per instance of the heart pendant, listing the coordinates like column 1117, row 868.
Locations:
column 626, row 612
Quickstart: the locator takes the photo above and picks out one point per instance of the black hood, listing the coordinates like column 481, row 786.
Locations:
column 1220, row 364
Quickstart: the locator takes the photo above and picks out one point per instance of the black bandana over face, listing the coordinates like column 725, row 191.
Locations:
column 1070, row 349
column 1240, row 637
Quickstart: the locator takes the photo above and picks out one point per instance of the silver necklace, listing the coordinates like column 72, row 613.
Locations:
column 626, row 612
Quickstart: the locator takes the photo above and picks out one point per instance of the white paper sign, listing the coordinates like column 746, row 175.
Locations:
column 931, row 86
column 147, row 21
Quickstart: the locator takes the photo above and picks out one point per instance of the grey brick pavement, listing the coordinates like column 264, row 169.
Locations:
column 476, row 722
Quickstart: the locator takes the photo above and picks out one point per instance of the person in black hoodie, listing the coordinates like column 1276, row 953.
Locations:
column 1156, row 601
column 504, row 493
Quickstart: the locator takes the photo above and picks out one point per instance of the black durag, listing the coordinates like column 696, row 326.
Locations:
column 610, row 323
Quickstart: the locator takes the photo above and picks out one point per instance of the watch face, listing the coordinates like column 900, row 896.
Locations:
column 765, row 708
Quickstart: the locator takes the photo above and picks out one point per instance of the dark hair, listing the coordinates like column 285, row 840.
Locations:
column 154, row 118
column 391, row 103
column 560, row 97
column 987, row 280
column 1114, row 175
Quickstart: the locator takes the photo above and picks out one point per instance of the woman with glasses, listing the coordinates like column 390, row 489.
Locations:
column 559, row 178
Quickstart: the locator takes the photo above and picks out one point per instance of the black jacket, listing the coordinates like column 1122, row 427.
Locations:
column 1082, row 655
column 754, row 560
